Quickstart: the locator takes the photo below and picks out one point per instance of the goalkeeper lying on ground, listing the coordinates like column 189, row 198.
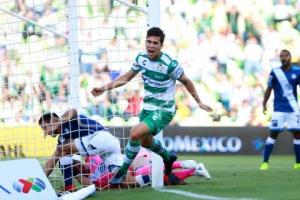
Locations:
column 95, row 171
column 78, row 134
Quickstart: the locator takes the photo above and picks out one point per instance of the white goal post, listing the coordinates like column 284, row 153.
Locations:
column 26, row 134
column 157, row 162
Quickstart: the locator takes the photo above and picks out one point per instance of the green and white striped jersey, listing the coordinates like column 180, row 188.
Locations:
column 159, row 80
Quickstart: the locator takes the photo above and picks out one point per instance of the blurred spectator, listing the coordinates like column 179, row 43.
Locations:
column 253, row 56
column 227, row 47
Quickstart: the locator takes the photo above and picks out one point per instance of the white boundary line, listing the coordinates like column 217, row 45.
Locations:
column 200, row 196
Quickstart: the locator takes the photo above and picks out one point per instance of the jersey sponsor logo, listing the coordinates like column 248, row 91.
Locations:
column 293, row 76
column 153, row 84
column 274, row 123
column 144, row 62
column 160, row 68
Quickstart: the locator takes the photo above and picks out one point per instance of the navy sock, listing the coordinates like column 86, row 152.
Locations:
column 267, row 152
column 132, row 149
column 297, row 152
column 67, row 174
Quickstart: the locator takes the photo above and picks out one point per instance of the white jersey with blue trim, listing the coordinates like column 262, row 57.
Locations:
column 281, row 100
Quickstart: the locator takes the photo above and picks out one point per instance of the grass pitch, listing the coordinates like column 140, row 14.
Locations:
column 233, row 177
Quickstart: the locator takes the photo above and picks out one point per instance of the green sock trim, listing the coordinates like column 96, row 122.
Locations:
column 124, row 168
column 134, row 143
column 157, row 147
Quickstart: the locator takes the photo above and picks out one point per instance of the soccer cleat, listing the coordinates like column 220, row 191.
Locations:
column 202, row 171
column 189, row 164
column 297, row 166
column 264, row 166
column 118, row 178
column 70, row 188
column 169, row 163
column 60, row 194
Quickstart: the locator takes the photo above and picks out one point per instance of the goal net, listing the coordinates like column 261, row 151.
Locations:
column 46, row 65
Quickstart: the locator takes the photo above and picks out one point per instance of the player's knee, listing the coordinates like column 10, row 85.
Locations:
column 134, row 135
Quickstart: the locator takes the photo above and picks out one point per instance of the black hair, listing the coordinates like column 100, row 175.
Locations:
column 287, row 51
column 47, row 118
column 155, row 31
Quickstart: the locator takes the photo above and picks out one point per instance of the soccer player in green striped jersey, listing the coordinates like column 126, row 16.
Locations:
column 159, row 72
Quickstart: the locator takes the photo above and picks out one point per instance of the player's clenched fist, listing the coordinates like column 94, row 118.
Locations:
column 97, row 91
column 205, row 107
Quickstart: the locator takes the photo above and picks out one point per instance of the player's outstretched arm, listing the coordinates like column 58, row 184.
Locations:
column 50, row 163
column 121, row 80
column 266, row 98
column 189, row 85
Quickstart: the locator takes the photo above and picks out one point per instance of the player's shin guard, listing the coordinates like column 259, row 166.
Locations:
column 132, row 149
column 268, row 149
column 67, row 171
column 297, row 149
column 157, row 147
column 168, row 158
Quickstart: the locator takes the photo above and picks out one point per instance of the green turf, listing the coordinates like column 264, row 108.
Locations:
column 232, row 176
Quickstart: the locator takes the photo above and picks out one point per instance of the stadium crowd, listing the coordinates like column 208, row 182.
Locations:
column 227, row 47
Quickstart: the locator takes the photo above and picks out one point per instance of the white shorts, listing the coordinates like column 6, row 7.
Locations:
column 101, row 143
column 282, row 120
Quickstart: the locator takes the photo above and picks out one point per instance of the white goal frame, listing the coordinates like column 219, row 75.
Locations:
column 153, row 20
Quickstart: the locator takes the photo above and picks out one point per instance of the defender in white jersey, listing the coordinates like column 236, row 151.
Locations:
column 78, row 134
column 284, row 81
column 159, row 72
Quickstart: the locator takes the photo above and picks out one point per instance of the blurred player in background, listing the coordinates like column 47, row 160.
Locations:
column 283, row 80
column 78, row 134
column 159, row 72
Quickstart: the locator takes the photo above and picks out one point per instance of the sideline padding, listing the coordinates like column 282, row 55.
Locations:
column 80, row 194
column 25, row 141
column 24, row 180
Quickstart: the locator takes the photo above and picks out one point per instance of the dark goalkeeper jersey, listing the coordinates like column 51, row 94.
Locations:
column 78, row 127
